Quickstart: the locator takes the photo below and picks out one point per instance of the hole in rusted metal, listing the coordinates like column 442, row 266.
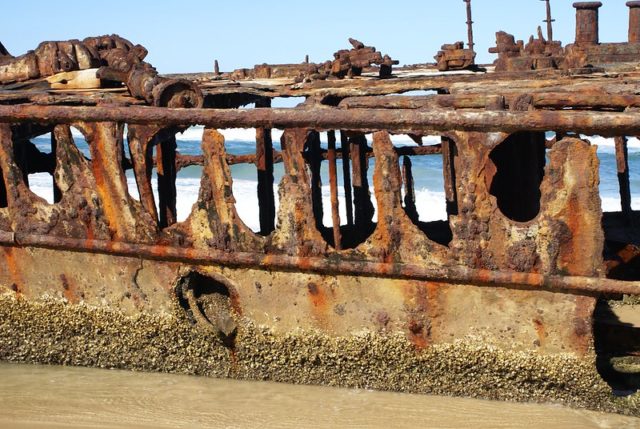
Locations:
column 423, row 175
column 207, row 301
column 255, row 168
column 517, row 174
column 352, row 197
column 34, row 154
column 619, row 220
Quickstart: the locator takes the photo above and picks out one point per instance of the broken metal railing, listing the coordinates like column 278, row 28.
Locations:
column 362, row 120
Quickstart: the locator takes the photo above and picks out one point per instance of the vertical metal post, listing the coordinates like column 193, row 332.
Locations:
column 264, row 165
column 622, row 162
column 549, row 21
column 166, row 168
column 409, row 191
column 57, row 194
column 333, row 184
column 449, row 172
column 361, row 196
column 634, row 21
column 346, row 176
column 469, row 25
column 587, row 30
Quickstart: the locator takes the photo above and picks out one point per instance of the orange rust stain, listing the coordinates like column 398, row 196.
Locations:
column 14, row 270
column 541, row 331
column 583, row 324
column 318, row 300
column 418, row 298
column 69, row 290
column 417, row 334
column 104, row 187
column 234, row 298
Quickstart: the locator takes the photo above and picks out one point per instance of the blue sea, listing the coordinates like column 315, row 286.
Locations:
column 427, row 172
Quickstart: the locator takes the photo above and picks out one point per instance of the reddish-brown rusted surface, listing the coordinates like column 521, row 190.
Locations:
column 518, row 263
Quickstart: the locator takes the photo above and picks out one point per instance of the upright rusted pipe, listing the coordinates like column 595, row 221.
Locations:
column 469, row 25
column 333, row 184
column 166, row 167
column 449, row 173
column 409, row 190
column 57, row 194
column 346, row 176
column 587, row 22
column 549, row 21
column 634, row 21
column 622, row 163
column 361, row 195
column 264, row 165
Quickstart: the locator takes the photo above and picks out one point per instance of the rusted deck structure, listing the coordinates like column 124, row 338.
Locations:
column 496, row 301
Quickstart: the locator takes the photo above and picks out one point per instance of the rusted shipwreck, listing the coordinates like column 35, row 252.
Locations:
column 496, row 301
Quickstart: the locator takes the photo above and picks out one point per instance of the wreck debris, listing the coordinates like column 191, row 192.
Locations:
column 538, row 54
column 346, row 63
column 119, row 60
column 499, row 269
column 349, row 63
column 454, row 56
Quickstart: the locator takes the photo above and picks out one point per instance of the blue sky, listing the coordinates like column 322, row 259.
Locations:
column 188, row 35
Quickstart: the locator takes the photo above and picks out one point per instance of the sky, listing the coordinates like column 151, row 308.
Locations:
column 187, row 36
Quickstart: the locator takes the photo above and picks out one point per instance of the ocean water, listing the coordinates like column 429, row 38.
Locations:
column 427, row 173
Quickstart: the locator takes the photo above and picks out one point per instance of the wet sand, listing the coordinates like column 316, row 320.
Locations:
column 68, row 397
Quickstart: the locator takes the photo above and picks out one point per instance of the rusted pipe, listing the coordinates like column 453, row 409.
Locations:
column 469, row 26
column 333, row 185
column 183, row 161
column 634, row 21
column 592, row 286
column 542, row 100
column 587, row 22
column 549, row 21
column 264, row 166
column 346, row 175
column 363, row 120
column 622, row 164
column 409, row 191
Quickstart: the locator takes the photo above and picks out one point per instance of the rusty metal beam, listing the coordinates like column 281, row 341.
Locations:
column 183, row 161
column 333, row 185
column 542, row 100
column 363, row 120
column 592, row 286
column 264, row 165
